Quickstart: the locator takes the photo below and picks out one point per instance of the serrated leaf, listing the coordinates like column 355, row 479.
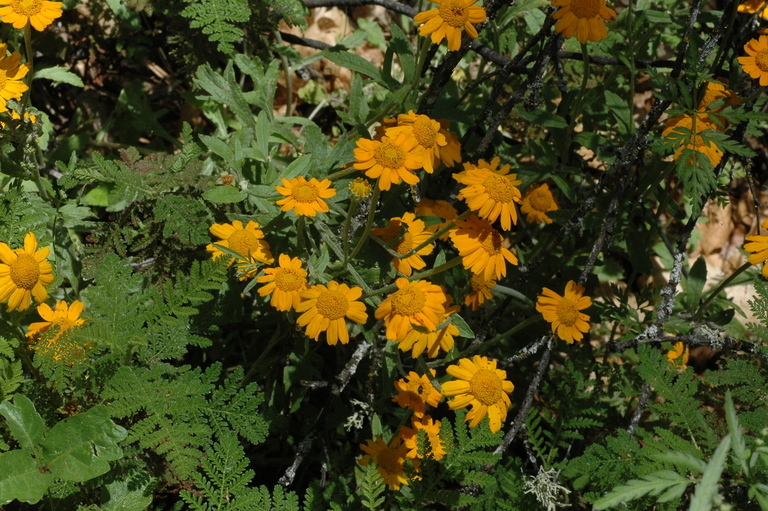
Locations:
column 225, row 195
column 25, row 423
column 651, row 484
column 681, row 459
column 59, row 74
column 21, row 478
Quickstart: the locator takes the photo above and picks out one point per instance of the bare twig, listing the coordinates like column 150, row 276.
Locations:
column 642, row 403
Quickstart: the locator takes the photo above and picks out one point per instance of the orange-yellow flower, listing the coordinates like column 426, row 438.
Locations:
column 451, row 153
column 390, row 160
column 481, row 385
column 427, row 133
column 63, row 316
column 563, row 311
column 689, row 136
column 419, row 340
column 305, row 198
column 247, row 241
column 490, row 191
column 414, row 235
column 53, row 339
column 585, row 18
column 24, row 273
column 481, row 291
column 417, row 303
column 284, row 283
column 678, row 355
column 753, row 6
column 39, row 13
column 416, row 392
column 360, row 188
column 757, row 246
column 447, row 20
column 755, row 64
column 389, row 459
column 326, row 308
column 410, row 436
column 439, row 208
column 11, row 74
column 481, row 248
column 537, row 202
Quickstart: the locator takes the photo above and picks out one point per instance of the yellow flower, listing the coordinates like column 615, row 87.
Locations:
column 64, row 317
column 715, row 91
column 390, row 160
column 563, row 311
column 389, row 459
column 24, row 273
column 446, row 21
column 325, row 310
column 427, row 133
column 305, row 198
column 418, row 340
column 753, row 6
column 416, row 392
column 481, row 249
column 247, row 241
column 481, row 291
column 414, row 235
column 451, row 153
column 11, row 74
column 284, row 283
column 410, row 437
column 40, row 13
column 537, row 203
column 678, row 355
column 758, row 247
column 381, row 129
column 490, row 191
column 481, row 385
column 417, row 303
column 756, row 63
column 360, row 188
column 585, row 18
column 689, row 136
column 438, row 208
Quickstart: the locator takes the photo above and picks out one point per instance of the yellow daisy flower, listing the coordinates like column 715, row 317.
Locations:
column 490, row 191
column 247, row 241
column 416, row 392
column 481, row 385
column 678, row 356
column 753, row 6
column 481, row 291
column 427, row 133
column 24, row 273
column 585, row 18
column 63, row 316
column 451, row 153
column 381, row 130
column 389, row 459
column 410, row 436
column 305, row 198
column 756, row 63
column 714, row 92
column 481, row 248
column 325, row 310
column 414, row 235
column 284, row 283
column 417, row 303
column 360, row 188
column 446, row 21
column 418, row 340
column 40, row 13
column 438, row 208
column 695, row 124
column 563, row 311
column 11, row 74
column 758, row 247
column 390, row 160
column 537, row 202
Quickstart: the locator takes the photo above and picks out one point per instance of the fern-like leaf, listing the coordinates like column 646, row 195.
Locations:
column 671, row 483
column 372, row 488
column 218, row 19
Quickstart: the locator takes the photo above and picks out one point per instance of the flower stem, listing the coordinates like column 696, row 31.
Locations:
column 368, row 225
column 300, row 233
column 417, row 276
column 447, row 227
column 576, row 110
column 353, row 203
column 341, row 173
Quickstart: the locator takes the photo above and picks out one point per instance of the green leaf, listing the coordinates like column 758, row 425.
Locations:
column 657, row 16
column 21, row 478
column 80, row 447
column 681, row 459
column 737, row 439
column 697, row 277
column 402, row 47
column 225, row 195
column 354, row 62
column 25, row 423
column 651, row 484
column 131, row 493
column 707, row 489
column 59, row 74
column 464, row 330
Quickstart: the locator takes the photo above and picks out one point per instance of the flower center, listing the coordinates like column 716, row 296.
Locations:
column 25, row 271
column 243, row 242
column 491, row 242
column 454, row 12
column 288, row 279
column 405, row 244
column 360, row 188
column 540, row 200
column 421, row 389
column 586, row 9
column 27, row 7
column 567, row 312
column 408, row 301
column 478, row 283
column 304, row 193
column 499, row 188
column 389, row 461
column 332, row 304
column 485, row 385
column 390, row 155
column 424, row 131
column 761, row 60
